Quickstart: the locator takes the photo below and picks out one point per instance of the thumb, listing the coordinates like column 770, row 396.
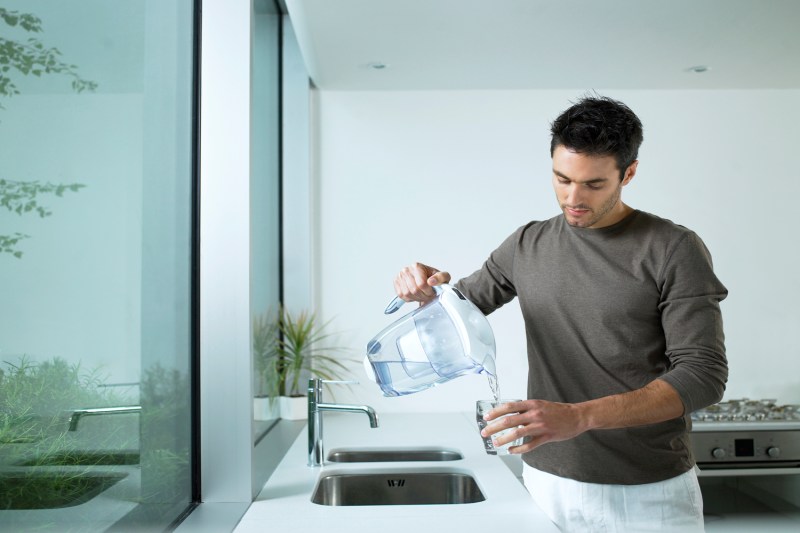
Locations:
column 438, row 278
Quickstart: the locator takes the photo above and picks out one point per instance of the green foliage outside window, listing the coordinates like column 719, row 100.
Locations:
column 29, row 57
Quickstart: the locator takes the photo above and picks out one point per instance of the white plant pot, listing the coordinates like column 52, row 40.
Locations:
column 264, row 409
column 293, row 408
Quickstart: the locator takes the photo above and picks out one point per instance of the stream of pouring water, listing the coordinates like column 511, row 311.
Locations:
column 491, row 374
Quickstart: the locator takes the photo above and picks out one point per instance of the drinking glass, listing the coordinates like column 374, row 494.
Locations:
column 484, row 406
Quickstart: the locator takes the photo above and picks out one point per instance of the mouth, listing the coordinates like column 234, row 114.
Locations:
column 576, row 211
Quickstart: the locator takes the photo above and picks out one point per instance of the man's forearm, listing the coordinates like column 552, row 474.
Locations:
column 655, row 402
column 542, row 421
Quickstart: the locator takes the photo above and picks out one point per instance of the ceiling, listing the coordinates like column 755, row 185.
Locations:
column 549, row 44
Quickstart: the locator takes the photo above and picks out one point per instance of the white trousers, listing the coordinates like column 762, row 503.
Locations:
column 672, row 505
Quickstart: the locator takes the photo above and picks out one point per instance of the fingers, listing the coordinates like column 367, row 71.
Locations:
column 532, row 439
column 495, row 427
column 504, row 423
column 529, row 444
column 538, row 421
column 415, row 282
column 504, row 409
column 511, row 418
column 507, row 434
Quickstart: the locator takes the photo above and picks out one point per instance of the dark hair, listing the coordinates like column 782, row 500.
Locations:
column 597, row 125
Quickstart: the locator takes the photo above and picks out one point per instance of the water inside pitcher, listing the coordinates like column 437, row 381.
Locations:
column 439, row 341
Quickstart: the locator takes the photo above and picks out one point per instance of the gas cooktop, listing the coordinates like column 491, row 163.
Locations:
column 746, row 414
column 746, row 410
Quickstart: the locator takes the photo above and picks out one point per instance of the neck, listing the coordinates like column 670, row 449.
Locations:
column 619, row 212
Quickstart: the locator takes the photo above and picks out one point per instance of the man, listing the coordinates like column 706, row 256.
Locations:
column 624, row 337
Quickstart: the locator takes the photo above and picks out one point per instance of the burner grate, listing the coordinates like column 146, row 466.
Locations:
column 746, row 410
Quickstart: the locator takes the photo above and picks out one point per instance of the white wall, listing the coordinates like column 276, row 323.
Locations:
column 442, row 177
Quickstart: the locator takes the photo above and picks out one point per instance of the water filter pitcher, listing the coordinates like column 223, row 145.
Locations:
column 439, row 341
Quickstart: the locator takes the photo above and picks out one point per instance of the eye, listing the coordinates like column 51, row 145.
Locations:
column 594, row 186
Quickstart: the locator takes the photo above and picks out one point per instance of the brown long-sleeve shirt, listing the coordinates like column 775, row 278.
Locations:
column 607, row 311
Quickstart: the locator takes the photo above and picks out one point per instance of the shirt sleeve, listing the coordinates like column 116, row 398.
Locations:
column 692, row 322
column 491, row 286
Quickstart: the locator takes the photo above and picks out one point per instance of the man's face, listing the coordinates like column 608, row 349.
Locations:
column 588, row 188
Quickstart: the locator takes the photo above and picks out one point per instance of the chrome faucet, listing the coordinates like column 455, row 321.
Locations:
column 77, row 414
column 315, row 409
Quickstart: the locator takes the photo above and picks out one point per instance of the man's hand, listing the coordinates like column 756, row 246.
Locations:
column 415, row 282
column 544, row 421
column 541, row 422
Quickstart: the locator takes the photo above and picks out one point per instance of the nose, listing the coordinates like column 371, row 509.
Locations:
column 573, row 196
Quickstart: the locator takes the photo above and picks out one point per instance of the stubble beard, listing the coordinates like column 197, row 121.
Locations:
column 598, row 215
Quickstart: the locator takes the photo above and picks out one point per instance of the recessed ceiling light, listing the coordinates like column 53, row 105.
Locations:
column 698, row 69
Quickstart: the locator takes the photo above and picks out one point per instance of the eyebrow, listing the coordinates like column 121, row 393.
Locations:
column 593, row 180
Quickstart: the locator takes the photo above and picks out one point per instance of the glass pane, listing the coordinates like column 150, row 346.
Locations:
column 95, row 254
column 265, row 209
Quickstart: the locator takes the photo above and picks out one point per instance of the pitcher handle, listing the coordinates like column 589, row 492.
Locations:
column 398, row 302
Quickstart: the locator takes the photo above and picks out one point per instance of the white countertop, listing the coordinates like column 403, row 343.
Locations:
column 284, row 503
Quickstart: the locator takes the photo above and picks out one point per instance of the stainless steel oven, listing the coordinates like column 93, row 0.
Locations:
column 748, row 456
column 746, row 434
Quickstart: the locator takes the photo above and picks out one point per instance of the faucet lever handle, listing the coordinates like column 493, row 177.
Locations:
column 315, row 384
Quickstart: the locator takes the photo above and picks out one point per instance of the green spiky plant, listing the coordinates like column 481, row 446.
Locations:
column 293, row 346
column 34, row 403
column 33, row 396
column 35, row 399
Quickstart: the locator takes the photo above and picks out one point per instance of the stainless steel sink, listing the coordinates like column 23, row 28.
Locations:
column 397, row 488
column 375, row 455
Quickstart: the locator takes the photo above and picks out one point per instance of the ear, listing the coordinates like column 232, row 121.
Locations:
column 630, row 172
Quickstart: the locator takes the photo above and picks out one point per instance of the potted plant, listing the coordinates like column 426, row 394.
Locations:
column 288, row 351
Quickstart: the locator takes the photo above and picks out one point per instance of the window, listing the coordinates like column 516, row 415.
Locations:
column 96, row 253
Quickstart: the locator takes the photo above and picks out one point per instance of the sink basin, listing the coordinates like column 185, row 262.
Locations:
column 40, row 490
column 374, row 455
column 397, row 488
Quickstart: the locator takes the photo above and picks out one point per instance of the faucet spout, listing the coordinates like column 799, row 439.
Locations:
column 315, row 409
column 343, row 408
column 77, row 414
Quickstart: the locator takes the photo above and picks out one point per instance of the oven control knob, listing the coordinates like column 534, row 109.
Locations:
column 718, row 453
column 774, row 451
